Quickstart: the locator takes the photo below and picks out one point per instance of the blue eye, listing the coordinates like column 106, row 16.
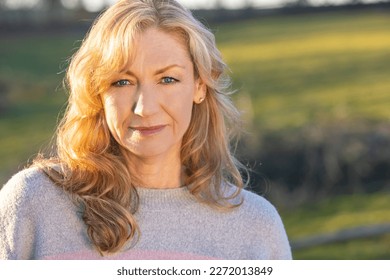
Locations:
column 121, row 83
column 168, row 80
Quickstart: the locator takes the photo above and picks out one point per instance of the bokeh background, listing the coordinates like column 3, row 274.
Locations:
column 313, row 85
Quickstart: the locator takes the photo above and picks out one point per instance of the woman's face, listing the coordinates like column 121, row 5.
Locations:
column 148, row 106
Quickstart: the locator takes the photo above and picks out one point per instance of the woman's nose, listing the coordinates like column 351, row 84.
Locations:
column 146, row 103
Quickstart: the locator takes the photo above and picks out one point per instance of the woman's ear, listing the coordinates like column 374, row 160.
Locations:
column 200, row 91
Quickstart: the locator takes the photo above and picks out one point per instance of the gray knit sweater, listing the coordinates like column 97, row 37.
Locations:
column 39, row 221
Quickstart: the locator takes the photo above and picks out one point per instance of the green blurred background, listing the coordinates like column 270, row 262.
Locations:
column 314, row 90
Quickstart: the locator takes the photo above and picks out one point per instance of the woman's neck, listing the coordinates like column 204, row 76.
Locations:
column 157, row 172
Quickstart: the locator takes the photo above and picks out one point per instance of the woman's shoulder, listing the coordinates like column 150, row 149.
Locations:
column 252, row 203
column 29, row 186
column 27, row 181
column 267, row 232
column 257, row 204
column 258, row 211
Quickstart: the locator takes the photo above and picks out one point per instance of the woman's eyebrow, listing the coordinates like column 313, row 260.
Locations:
column 129, row 73
column 162, row 70
column 157, row 72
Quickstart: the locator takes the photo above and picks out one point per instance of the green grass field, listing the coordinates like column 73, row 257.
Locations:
column 290, row 72
column 311, row 69
column 338, row 214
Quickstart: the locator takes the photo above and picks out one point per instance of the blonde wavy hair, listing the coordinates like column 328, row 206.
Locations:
column 91, row 165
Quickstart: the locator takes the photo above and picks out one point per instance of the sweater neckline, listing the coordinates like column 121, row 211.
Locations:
column 156, row 198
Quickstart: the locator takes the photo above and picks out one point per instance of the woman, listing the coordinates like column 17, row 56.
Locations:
column 143, row 168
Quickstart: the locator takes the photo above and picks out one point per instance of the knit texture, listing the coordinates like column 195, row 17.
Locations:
column 38, row 220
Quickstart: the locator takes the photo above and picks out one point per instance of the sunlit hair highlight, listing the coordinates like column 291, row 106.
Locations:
column 91, row 165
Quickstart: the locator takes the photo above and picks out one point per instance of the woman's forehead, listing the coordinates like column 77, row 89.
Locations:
column 158, row 49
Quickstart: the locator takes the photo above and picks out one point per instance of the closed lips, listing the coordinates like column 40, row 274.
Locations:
column 156, row 127
column 148, row 130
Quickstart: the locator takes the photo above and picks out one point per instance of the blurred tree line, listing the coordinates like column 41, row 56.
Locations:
column 54, row 6
column 315, row 162
column 47, row 12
